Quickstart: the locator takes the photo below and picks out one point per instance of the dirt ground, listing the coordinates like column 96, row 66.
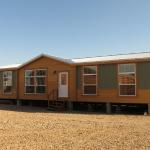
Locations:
column 37, row 129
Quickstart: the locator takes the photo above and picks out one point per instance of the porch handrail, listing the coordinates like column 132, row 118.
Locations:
column 53, row 95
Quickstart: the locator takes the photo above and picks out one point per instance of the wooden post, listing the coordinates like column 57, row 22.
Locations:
column 30, row 103
column 108, row 108
column 148, row 109
column 70, row 105
column 19, row 103
column 90, row 108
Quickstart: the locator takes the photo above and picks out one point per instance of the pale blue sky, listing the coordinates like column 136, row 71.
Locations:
column 72, row 28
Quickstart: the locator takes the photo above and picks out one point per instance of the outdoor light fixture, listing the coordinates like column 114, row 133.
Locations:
column 54, row 72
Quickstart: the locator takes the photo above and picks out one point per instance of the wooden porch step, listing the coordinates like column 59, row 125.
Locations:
column 57, row 105
column 54, row 103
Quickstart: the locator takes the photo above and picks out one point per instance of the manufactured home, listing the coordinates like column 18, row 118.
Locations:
column 122, row 79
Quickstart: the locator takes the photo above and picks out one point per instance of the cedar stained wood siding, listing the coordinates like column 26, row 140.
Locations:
column 53, row 68
column 108, row 90
column 12, row 95
column 107, row 84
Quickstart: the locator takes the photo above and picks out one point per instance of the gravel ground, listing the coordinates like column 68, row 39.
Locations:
column 37, row 129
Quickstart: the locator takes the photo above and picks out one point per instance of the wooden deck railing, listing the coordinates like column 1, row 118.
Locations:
column 52, row 96
column 54, row 103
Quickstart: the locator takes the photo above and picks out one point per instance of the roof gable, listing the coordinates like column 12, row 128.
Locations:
column 66, row 61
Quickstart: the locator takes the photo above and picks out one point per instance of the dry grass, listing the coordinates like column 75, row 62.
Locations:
column 41, row 130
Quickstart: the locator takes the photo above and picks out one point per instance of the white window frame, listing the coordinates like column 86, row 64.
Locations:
column 35, row 82
column 127, row 73
column 89, row 84
column 7, row 85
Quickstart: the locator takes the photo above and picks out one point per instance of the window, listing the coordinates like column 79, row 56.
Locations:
column 89, row 80
column 35, row 81
column 127, row 79
column 7, row 82
column 63, row 79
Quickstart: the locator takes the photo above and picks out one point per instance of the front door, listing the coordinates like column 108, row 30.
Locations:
column 63, row 84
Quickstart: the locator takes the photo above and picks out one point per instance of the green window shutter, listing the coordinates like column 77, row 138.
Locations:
column 1, row 80
column 108, row 76
column 143, row 75
column 98, row 74
column 78, row 76
column 14, row 79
